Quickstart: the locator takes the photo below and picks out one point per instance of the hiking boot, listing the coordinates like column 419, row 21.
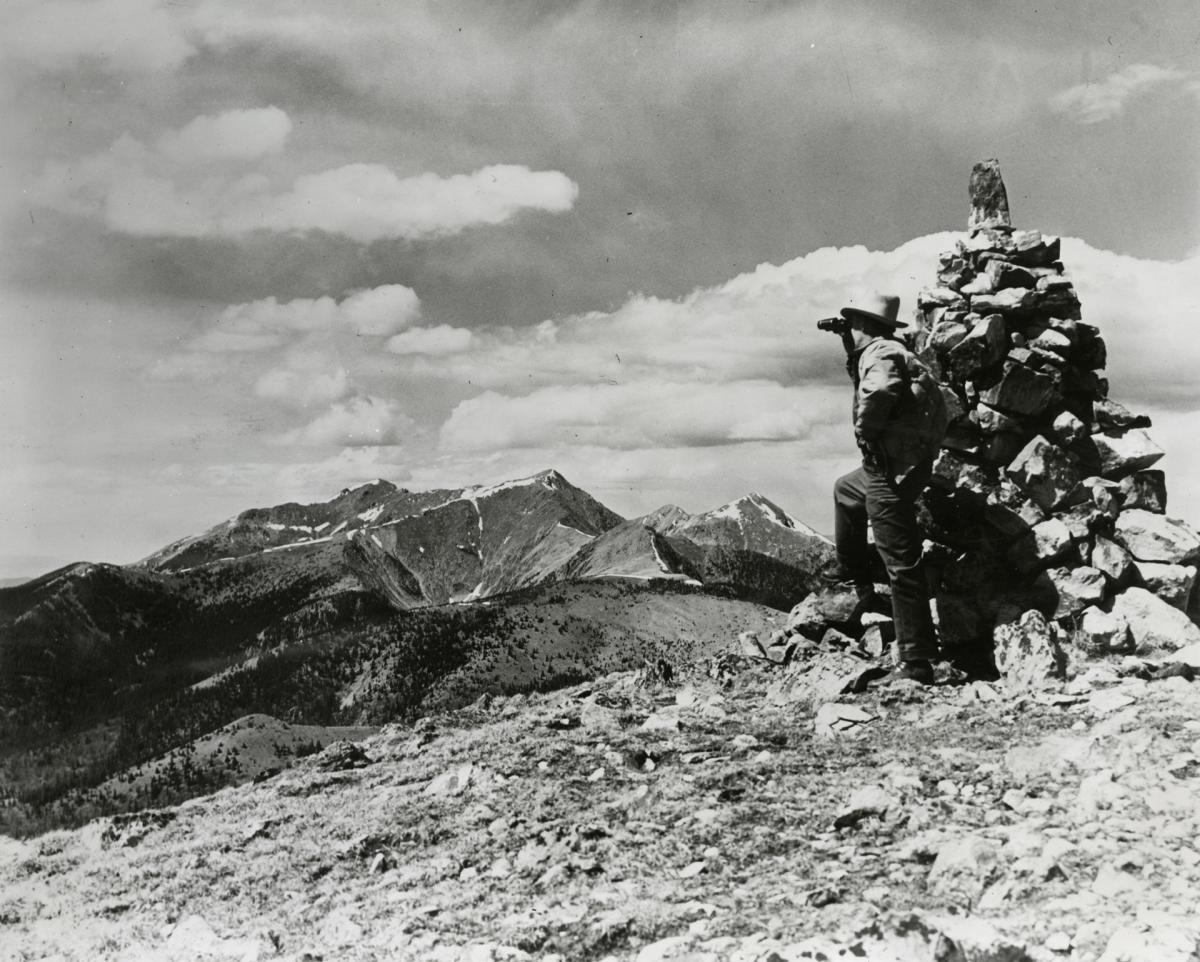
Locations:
column 919, row 670
column 837, row 577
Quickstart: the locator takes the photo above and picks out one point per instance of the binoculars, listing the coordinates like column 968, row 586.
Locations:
column 835, row 325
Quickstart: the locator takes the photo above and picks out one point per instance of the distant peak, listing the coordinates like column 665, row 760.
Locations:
column 371, row 486
column 663, row 518
column 755, row 503
column 551, row 477
column 548, row 479
column 771, row 509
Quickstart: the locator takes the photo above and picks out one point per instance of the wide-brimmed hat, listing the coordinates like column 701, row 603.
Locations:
column 883, row 308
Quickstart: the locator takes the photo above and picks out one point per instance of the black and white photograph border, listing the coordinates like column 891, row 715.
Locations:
column 599, row 480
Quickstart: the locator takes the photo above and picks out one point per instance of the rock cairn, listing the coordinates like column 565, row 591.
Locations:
column 1046, row 518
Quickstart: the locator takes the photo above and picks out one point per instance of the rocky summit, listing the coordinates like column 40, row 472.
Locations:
column 1046, row 514
column 737, row 812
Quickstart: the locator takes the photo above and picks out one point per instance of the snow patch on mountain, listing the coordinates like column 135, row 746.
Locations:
column 548, row 479
column 297, row 544
column 658, row 556
column 780, row 517
column 755, row 505
column 274, row 526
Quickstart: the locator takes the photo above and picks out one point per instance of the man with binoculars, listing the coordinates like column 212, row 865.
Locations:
column 899, row 422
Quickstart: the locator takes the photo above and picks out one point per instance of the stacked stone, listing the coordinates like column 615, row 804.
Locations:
column 1044, row 495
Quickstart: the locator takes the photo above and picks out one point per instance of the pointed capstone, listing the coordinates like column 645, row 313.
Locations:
column 989, row 199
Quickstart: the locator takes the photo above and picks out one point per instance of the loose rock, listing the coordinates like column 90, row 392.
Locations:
column 1027, row 652
column 1154, row 624
column 1155, row 537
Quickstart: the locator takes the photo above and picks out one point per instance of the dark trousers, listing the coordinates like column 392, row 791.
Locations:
column 868, row 496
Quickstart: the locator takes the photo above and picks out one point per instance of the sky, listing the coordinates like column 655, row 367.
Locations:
column 256, row 253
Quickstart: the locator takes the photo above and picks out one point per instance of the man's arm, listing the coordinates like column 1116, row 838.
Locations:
column 880, row 387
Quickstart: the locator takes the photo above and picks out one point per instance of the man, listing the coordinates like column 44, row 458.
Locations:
column 899, row 420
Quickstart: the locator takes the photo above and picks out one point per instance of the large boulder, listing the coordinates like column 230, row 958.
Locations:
column 1155, row 537
column 1033, row 249
column 1123, row 454
column 1146, row 490
column 835, row 607
column 946, row 334
column 1045, row 472
column 1027, row 651
column 1002, row 274
column 1009, row 300
column 1051, row 340
column 1098, row 632
column 1077, row 588
column 982, row 347
column 1108, row 415
column 1042, row 544
column 1112, row 559
column 1154, row 624
column 1022, row 390
column 1172, row 583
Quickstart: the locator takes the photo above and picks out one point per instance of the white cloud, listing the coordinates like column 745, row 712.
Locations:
column 194, row 183
column 381, row 310
column 124, row 36
column 1147, row 312
column 270, row 323
column 759, row 325
column 368, row 202
column 1093, row 103
column 364, row 421
column 302, row 387
column 299, row 352
column 645, row 414
column 439, row 340
column 232, row 135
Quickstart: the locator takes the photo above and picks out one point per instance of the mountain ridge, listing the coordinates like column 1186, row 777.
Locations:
column 286, row 608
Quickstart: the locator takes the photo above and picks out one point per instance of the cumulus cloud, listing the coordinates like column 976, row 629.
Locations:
column 195, row 182
column 268, row 322
column 360, row 421
column 124, row 36
column 294, row 352
column 302, row 387
column 232, row 135
column 368, row 202
column 1147, row 311
column 381, row 311
column 1093, row 103
column 759, row 325
column 436, row 341
column 640, row 415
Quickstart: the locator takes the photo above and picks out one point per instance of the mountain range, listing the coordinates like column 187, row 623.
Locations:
column 367, row 608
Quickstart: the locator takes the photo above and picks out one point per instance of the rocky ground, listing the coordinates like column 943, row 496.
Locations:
column 731, row 810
